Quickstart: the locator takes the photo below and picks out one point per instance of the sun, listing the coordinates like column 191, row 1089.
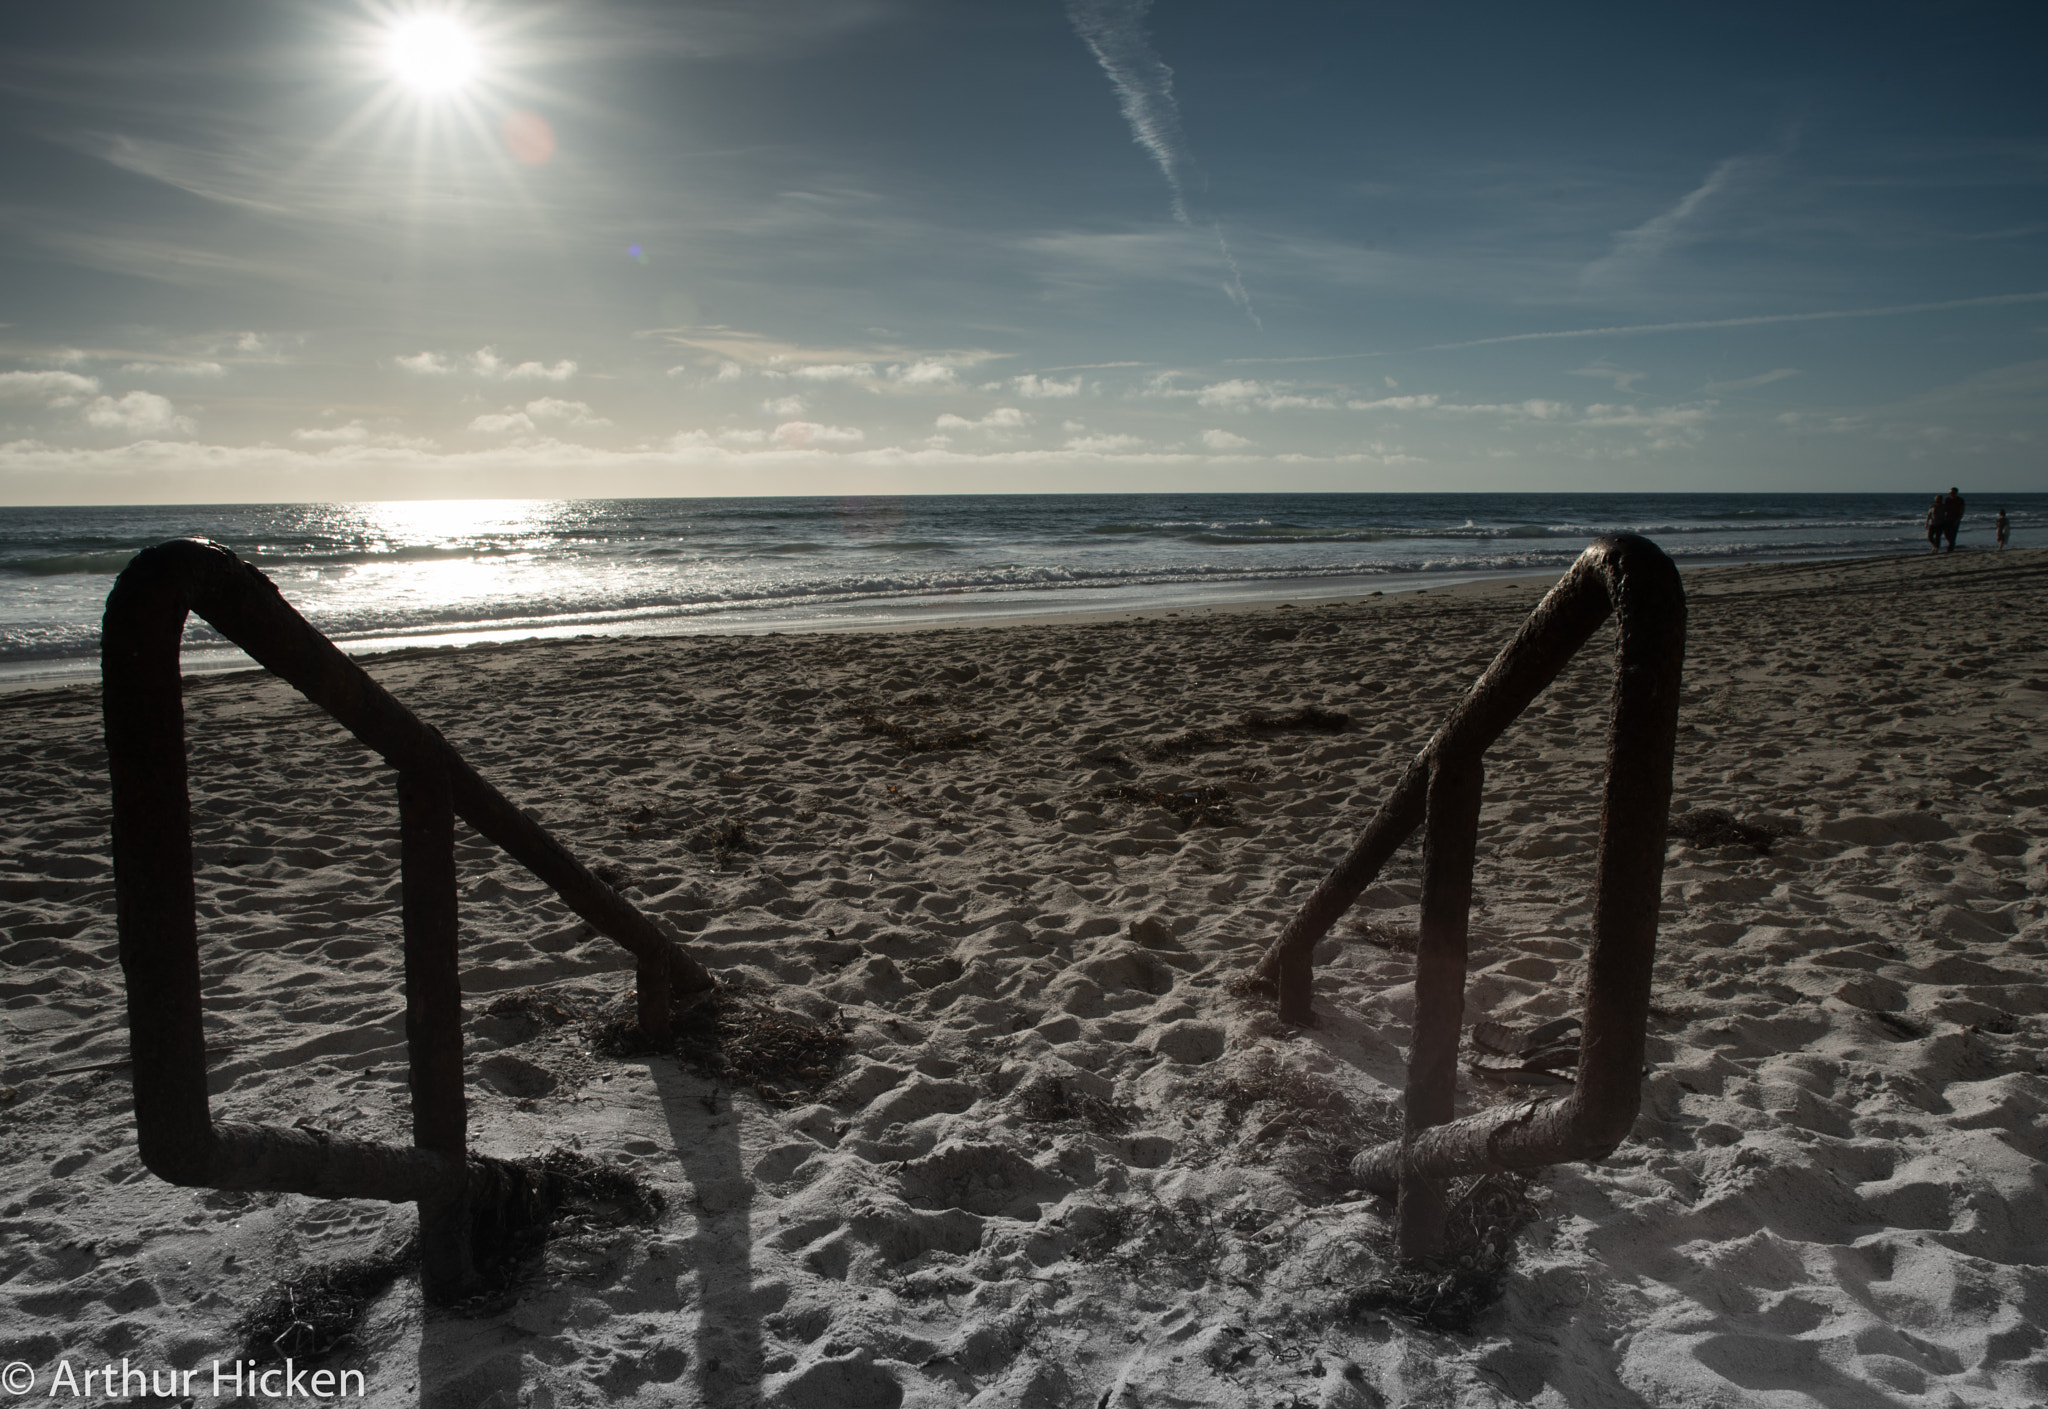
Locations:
column 432, row 54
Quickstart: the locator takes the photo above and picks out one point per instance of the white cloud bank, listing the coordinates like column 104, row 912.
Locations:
column 357, row 432
column 137, row 413
column 1003, row 418
column 1044, row 388
column 486, row 363
column 801, row 435
column 53, row 389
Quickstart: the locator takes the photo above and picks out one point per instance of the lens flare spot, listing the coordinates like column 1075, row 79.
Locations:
column 528, row 137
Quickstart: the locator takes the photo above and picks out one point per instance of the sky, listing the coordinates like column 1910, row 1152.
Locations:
column 291, row 250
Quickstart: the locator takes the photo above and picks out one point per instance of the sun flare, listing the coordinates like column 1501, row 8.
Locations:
column 432, row 54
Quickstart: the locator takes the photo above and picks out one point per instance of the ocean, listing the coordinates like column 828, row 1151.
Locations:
column 382, row 575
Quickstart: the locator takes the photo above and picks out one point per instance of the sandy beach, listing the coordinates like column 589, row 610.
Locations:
column 1016, row 871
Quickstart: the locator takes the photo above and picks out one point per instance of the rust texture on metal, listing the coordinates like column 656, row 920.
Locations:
column 1631, row 579
column 463, row 1198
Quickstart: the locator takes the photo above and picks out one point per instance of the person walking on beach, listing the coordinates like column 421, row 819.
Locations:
column 1951, row 516
column 1934, row 524
column 2004, row 527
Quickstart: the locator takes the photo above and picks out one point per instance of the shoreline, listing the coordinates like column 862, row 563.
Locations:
column 887, row 617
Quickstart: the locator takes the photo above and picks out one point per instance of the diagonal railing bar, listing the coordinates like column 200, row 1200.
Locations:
column 465, row 1199
column 1630, row 578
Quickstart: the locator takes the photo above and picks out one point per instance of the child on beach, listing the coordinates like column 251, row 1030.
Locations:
column 1934, row 524
column 2004, row 528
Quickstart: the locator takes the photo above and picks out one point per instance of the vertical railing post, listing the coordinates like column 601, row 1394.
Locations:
column 433, row 1019
column 651, row 977
column 1450, row 840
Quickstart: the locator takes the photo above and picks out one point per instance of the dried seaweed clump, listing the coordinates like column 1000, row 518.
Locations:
column 1304, row 1124
column 779, row 1055
column 720, row 841
column 1449, row 1293
column 320, row 1310
column 1167, row 1241
column 1190, row 742
column 1395, row 939
column 1192, row 807
column 1056, row 1101
column 1714, row 826
column 531, row 1005
column 915, row 742
column 586, row 1193
column 1307, row 719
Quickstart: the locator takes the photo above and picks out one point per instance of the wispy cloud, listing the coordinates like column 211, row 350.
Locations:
column 1104, row 444
column 879, row 368
column 1754, row 320
column 1776, row 374
column 1607, row 372
column 177, row 367
column 827, row 371
column 1237, row 394
column 1114, row 31
column 1635, row 250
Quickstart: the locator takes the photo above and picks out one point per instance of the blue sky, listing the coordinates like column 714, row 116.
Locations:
column 864, row 246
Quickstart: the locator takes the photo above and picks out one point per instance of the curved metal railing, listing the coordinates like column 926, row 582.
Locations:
column 465, row 1200
column 1630, row 578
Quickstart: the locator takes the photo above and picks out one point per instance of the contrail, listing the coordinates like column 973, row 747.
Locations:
column 1989, row 301
column 1114, row 31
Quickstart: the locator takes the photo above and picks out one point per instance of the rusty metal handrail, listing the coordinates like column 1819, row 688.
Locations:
column 1631, row 578
column 463, row 1197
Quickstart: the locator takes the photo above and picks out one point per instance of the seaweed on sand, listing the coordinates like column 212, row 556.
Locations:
column 1192, row 807
column 1395, row 939
column 319, row 1310
column 1194, row 740
column 1450, row 1292
column 1715, row 826
column 1307, row 719
column 589, row 1193
column 915, row 742
column 1316, row 1125
column 1056, row 1101
column 721, row 841
column 532, row 1006
column 1178, row 1240
column 1190, row 742
column 777, row 1054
